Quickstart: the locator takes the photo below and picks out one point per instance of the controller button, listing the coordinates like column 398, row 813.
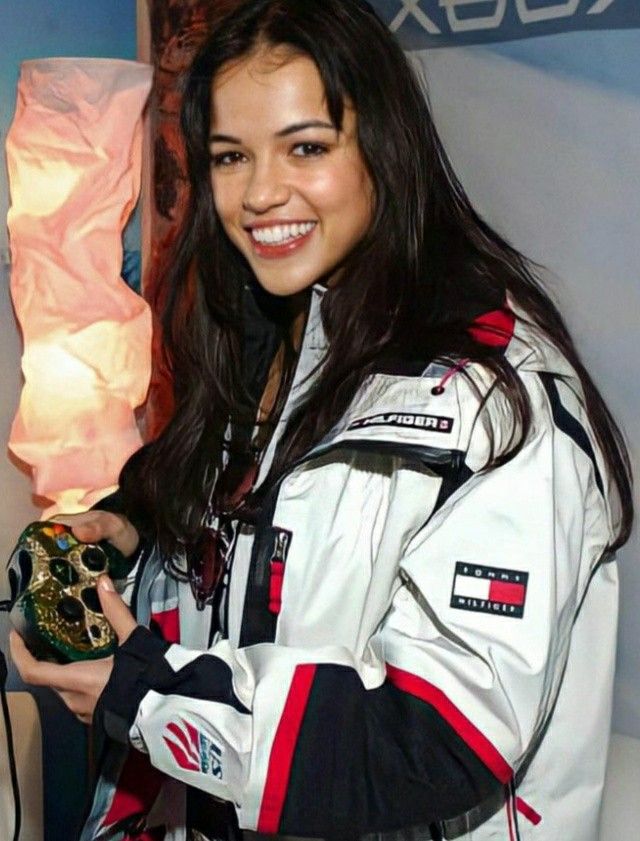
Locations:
column 94, row 559
column 72, row 610
column 90, row 598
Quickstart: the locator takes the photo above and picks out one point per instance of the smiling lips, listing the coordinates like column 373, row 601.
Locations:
column 280, row 240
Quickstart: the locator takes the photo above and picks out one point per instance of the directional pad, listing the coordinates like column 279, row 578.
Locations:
column 63, row 572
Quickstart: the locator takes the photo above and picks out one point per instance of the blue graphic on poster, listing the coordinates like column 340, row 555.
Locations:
column 438, row 23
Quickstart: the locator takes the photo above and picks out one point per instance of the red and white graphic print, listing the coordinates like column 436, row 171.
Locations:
column 489, row 590
column 192, row 750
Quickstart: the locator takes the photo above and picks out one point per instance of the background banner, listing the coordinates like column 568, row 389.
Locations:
column 437, row 23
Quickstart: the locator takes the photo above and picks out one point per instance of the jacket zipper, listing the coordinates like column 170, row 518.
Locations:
column 265, row 547
column 276, row 569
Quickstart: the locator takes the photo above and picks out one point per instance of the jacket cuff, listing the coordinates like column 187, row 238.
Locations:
column 134, row 664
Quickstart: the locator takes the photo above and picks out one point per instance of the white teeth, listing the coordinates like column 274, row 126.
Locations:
column 279, row 234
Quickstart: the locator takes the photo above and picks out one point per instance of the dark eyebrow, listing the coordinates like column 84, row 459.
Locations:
column 292, row 129
column 224, row 138
column 302, row 126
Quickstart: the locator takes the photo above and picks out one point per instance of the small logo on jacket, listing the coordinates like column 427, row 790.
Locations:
column 192, row 750
column 433, row 423
column 489, row 590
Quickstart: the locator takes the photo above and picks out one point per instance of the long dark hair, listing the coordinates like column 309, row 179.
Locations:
column 407, row 289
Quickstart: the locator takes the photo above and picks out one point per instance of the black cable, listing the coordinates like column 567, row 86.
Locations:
column 514, row 801
column 13, row 770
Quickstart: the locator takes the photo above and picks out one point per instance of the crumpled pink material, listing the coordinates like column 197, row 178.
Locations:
column 74, row 158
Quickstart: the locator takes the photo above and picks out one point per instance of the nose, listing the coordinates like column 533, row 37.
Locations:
column 267, row 188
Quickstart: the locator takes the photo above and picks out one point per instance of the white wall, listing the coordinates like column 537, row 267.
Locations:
column 16, row 505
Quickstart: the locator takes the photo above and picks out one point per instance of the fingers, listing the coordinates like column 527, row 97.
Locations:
column 79, row 685
column 32, row 671
column 115, row 610
column 95, row 525
column 85, row 683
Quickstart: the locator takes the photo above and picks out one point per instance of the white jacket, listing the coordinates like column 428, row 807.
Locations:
column 407, row 639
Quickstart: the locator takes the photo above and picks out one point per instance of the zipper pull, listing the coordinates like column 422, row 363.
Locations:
column 281, row 546
column 276, row 578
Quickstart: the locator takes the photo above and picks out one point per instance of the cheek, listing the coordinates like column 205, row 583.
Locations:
column 226, row 207
column 219, row 197
column 227, row 197
column 359, row 201
column 339, row 191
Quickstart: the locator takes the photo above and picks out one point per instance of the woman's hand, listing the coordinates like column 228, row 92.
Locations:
column 95, row 525
column 78, row 684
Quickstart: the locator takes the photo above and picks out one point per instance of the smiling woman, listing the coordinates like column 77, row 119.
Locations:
column 290, row 188
column 375, row 540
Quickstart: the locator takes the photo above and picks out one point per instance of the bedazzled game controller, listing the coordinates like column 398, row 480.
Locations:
column 53, row 578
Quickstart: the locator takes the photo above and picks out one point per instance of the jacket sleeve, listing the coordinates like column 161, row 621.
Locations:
column 440, row 707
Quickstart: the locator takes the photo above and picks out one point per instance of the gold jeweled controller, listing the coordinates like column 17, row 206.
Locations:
column 53, row 579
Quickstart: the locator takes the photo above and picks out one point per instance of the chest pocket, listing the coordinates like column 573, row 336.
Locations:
column 263, row 598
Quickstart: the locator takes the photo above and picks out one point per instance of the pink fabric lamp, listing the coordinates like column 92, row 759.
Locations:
column 74, row 158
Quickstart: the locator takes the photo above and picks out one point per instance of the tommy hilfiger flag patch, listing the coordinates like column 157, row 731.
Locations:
column 489, row 590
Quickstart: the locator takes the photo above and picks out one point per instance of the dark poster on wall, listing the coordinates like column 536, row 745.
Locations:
column 178, row 28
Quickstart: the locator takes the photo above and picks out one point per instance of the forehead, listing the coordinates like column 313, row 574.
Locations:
column 273, row 84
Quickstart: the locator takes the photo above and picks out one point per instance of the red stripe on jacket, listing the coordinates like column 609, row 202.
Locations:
column 138, row 787
column 169, row 623
column 493, row 328
column 283, row 748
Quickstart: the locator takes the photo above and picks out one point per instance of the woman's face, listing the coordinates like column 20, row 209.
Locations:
column 292, row 192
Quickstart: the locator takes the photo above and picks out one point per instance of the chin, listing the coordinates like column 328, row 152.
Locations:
column 285, row 288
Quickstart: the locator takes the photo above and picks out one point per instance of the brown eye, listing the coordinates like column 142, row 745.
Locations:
column 224, row 159
column 309, row 150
